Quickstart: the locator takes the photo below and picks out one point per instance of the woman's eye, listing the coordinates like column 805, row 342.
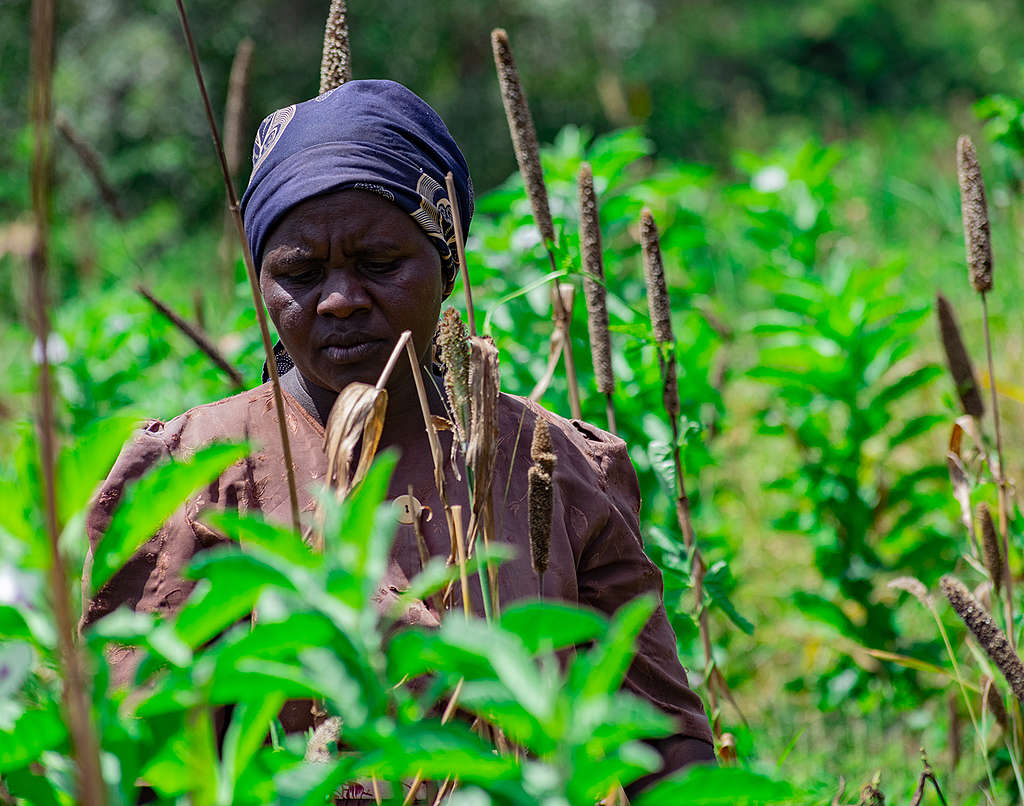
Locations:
column 379, row 266
column 304, row 275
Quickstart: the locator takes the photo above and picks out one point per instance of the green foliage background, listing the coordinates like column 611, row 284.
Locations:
column 799, row 160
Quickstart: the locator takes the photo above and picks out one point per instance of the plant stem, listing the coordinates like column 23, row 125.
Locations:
column 254, row 286
column 460, row 247
column 460, row 545
column 1000, row 480
column 690, row 540
column 610, row 411
column 436, row 454
column 396, row 354
column 200, row 339
column 91, row 789
column 564, row 323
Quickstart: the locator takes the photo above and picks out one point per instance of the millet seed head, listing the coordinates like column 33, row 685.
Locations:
column 958, row 360
column 974, row 211
column 336, row 65
column 594, row 283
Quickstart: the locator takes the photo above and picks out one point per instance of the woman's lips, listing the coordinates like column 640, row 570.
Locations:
column 351, row 353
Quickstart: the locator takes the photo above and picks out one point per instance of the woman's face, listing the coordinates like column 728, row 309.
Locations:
column 343, row 275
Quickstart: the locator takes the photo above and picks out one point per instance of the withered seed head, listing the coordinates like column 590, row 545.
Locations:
column 336, row 66
column 994, row 702
column 594, row 283
column 990, row 546
column 958, row 360
column 913, row 586
column 454, row 342
column 654, row 272
column 974, row 210
column 992, row 639
column 524, row 135
column 540, row 496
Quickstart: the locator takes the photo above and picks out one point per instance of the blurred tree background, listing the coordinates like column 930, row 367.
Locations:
column 799, row 158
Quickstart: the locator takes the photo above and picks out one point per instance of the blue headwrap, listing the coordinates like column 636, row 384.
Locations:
column 368, row 135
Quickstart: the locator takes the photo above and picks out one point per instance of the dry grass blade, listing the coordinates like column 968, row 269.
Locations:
column 540, row 498
column 871, row 794
column 959, row 361
column 196, row 335
column 594, row 289
column 455, row 355
column 838, row 799
column 85, row 748
column 974, row 210
column 992, row 639
column 336, row 65
column 962, row 492
column 250, row 268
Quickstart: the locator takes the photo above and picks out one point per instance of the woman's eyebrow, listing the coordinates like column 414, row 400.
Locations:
column 289, row 256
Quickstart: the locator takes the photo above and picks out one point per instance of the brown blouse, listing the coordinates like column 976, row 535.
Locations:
column 597, row 557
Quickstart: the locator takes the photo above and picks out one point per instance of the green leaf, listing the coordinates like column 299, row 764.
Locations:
column 821, row 609
column 602, row 670
column 727, row 786
column 250, row 724
column 85, row 463
column 34, row 732
column 551, row 625
column 152, row 500
column 718, row 582
column 252, row 530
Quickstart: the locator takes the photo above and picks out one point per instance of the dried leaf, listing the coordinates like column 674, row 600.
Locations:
column 357, row 415
column 484, row 388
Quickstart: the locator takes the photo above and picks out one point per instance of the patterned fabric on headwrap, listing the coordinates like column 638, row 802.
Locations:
column 367, row 135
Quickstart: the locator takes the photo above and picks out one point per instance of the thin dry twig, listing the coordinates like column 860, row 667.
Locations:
column 91, row 789
column 594, row 290
column 93, row 165
column 234, row 106
column 254, row 286
column 460, row 251
column 200, row 339
column 336, row 65
column 524, row 143
column 927, row 774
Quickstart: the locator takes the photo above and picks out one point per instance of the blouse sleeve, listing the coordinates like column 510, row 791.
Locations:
column 613, row 569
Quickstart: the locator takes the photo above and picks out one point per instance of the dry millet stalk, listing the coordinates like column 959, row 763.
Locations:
column 959, row 361
column 593, row 282
column 455, row 349
column 992, row 639
column 540, row 496
column 336, row 65
column 990, row 545
column 524, row 135
column 974, row 210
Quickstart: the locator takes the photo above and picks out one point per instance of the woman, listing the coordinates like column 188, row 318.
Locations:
column 350, row 226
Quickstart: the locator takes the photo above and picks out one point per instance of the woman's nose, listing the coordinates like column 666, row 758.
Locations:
column 342, row 294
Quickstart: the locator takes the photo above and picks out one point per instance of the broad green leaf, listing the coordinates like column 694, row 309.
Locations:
column 728, row 786
column 821, row 609
column 152, row 500
column 718, row 582
column 602, row 670
column 34, row 732
column 85, row 462
column 250, row 724
column 252, row 530
column 33, row 788
column 543, row 625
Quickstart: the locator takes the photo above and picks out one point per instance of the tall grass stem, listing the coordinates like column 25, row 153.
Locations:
column 254, row 286
column 460, row 248
column 85, row 747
